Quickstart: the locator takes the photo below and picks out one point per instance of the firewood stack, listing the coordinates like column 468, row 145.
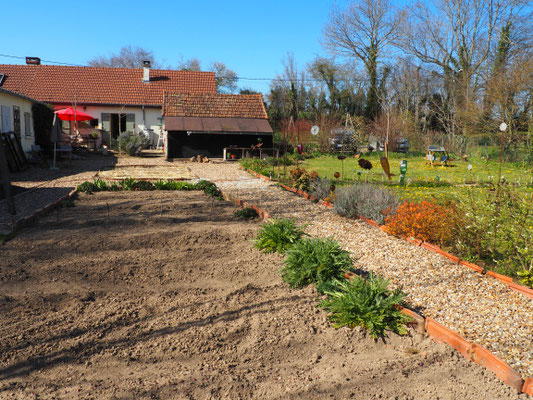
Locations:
column 199, row 158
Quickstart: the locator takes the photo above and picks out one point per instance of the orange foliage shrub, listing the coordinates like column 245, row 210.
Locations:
column 426, row 221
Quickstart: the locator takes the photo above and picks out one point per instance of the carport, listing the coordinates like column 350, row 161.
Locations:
column 206, row 124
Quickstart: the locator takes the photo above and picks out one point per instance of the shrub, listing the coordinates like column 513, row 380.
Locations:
column 365, row 200
column 527, row 276
column 366, row 303
column 132, row 143
column 278, row 235
column 86, row 187
column 255, row 164
column 321, row 187
column 97, row 185
column 143, row 186
column 426, row 221
column 315, row 260
column 497, row 229
column 248, row 213
column 305, row 181
column 175, row 185
column 209, row 188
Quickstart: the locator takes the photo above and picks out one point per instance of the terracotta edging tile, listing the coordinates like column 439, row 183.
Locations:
column 418, row 320
column 528, row 386
column 501, row 369
column 441, row 333
column 521, row 289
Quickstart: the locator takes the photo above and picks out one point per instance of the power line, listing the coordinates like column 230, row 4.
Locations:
column 240, row 78
column 48, row 61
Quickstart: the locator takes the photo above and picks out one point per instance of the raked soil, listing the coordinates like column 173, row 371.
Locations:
column 161, row 295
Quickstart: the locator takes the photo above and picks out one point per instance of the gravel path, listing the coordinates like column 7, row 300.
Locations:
column 480, row 308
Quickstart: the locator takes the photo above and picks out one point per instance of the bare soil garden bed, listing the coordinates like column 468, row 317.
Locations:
column 161, row 295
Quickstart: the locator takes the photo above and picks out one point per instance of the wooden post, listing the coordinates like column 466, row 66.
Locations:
column 4, row 174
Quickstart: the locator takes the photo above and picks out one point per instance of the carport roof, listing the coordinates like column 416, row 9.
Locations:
column 215, row 113
column 217, row 125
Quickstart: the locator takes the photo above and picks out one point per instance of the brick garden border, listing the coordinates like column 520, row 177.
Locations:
column 20, row 223
column 435, row 330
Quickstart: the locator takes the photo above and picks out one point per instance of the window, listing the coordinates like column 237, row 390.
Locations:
column 16, row 119
column 27, row 124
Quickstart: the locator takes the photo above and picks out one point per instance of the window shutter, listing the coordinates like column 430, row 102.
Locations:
column 6, row 119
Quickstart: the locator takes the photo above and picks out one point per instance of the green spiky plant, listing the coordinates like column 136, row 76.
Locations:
column 366, row 303
column 315, row 260
column 277, row 235
column 127, row 183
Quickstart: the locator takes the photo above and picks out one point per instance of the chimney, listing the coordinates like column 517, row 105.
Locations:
column 146, row 71
column 33, row 61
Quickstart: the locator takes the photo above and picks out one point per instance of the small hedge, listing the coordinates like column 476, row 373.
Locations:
column 127, row 184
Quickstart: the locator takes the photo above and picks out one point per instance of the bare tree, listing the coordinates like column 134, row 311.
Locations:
column 455, row 38
column 226, row 79
column 127, row 57
column 192, row 64
column 364, row 31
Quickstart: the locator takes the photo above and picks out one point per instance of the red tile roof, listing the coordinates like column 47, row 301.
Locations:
column 94, row 85
column 214, row 105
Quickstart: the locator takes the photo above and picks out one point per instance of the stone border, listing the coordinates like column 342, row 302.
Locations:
column 40, row 212
column 437, row 331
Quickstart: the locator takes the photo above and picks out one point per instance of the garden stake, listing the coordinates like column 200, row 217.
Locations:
column 107, row 204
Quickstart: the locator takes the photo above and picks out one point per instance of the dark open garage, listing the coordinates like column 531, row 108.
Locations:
column 206, row 124
column 185, row 145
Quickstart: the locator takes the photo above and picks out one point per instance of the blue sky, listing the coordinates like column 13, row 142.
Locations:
column 250, row 37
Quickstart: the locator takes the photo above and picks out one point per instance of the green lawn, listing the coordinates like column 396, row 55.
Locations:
column 423, row 181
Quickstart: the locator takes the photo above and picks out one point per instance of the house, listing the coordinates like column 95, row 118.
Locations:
column 16, row 116
column 121, row 99
column 204, row 124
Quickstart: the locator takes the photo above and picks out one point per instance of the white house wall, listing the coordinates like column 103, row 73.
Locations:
column 150, row 120
column 8, row 100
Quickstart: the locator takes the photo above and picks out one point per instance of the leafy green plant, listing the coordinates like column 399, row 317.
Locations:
column 277, row 235
column 257, row 165
column 100, row 185
column 315, row 260
column 143, row 185
column 247, row 213
column 365, row 200
column 210, row 189
column 174, row 185
column 366, row 303
column 527, row 276
column 114, row 187
column 127, row 183
column 86, row 187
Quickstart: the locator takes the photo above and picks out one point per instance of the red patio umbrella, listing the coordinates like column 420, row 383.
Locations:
column 71, row 114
